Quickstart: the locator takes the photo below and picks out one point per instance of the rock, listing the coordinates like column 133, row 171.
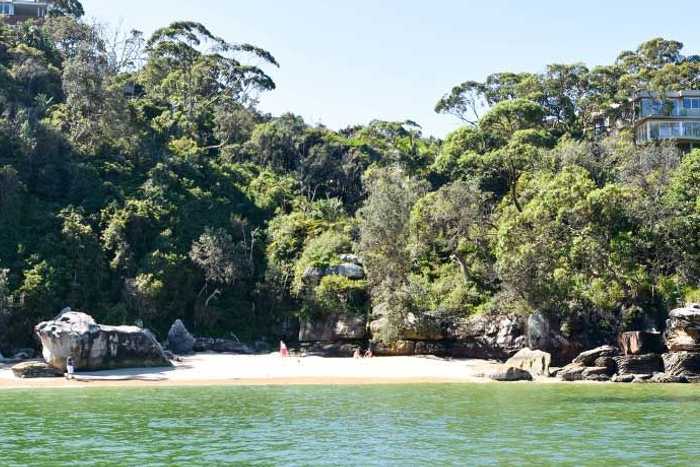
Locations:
column 333, row 327
column 97, row 347
column 219, row 345
column 602, row 378
column 509, row 373
column 641, row 378
column 486, row 336
column 430, row 348
column 683, row 329
column 2, row 359
column 622, row 378
column 180, row 341
column 607, row 362
column 591, row 371
column 349, row 270
column 543, row 333
column 640, row 342
column 536, row 362
column 639, row 364
column 572, row 372
column 682, row 363
column 589, row 357
column 36, row 370
column 171, row 356
column 395, row 349
column 333, row 349
column 349, row 258
column 665, row 378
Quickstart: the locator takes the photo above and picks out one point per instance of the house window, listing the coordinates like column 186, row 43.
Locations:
column 6, row 9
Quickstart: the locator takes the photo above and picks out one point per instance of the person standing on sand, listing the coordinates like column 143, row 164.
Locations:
column 70, row 368
column 284, row 351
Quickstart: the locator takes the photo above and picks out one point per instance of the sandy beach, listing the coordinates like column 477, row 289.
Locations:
column 223, row 369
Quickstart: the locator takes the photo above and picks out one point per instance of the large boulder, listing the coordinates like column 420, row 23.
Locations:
column 333, row 327
column 639, row 364
column 683, row 329
column 682, row 363
column 180, row 341
column 640, row 342
column 509, row 373
column 536, row 362
column 97, row 347
column 589, row 357
column 36, row 370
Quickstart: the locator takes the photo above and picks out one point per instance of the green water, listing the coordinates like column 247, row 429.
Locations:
column 349, row 425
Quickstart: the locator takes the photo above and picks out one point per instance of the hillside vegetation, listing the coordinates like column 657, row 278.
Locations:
column 139, row 182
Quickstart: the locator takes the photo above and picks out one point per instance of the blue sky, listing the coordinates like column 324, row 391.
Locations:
column 348, row 62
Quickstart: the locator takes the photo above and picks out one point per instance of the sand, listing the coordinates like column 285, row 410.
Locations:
column 222, row 369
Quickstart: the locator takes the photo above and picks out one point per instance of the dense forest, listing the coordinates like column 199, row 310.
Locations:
column 140, row 183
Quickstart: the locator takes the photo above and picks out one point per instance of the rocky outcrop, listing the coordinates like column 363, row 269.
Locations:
column 543, row 333
column 36, row 370
column 536, row 362
column 333, row 327
column 666, row 378
column 592, row 365
column 509, row 373
column 180, row 341
column 683, row 329
column 682, row 364
column 350, row 267
column 97, row 347
column 589, row 357
column 220, row 345
column 640, row 342
column 639, row 364
column 487, row 336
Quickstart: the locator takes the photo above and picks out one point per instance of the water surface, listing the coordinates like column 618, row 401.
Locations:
column 467, row 424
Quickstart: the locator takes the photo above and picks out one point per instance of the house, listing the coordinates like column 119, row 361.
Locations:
column 15, row 11
column 675, row 116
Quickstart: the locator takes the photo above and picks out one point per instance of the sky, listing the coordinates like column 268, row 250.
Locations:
column 348, row 62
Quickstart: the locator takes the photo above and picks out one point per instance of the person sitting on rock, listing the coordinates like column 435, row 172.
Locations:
column 70, row 368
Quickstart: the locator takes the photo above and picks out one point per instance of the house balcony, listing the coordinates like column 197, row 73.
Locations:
column 15, row 11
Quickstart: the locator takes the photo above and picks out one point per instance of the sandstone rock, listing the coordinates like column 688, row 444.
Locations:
column 395, row 349
column 641, row 378
column 683, row 329
column 36, row 370
column 591, row 371
column 24, row 354
column 509, row 373
column 487, row 336
column 2, row 359
column 543, row 333
column 589, row 357
column 682, row 363
column 607, row 362
column 600, row 378
column 640, row 342
column 536, row 362
column 220, row 345
column 333, row 327
column 97, row 347
column 622, row 378
column 572, row 372
column 350, row 270
column 639, row 364
column 180, row 341
column 666, row 378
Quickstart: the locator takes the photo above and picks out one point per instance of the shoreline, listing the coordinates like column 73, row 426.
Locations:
column 271, row 370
